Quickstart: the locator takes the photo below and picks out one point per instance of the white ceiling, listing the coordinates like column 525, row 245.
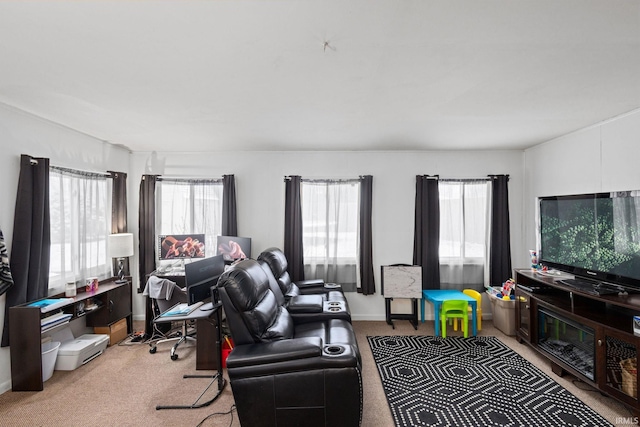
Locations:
column 321, row 74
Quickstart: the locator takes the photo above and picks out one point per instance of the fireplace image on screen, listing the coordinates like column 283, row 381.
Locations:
column 569, row 341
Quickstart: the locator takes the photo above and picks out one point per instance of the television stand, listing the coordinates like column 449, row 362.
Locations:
column 586, row 334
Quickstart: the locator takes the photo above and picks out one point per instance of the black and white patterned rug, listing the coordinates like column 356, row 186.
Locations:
column 477, row 381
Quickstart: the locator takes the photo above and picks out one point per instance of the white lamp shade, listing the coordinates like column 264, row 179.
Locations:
column 120, row 245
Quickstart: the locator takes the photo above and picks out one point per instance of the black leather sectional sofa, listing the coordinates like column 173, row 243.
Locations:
column 292, row 364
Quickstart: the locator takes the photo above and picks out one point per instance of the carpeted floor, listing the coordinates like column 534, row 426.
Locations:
column 123, row 386
column 476, row 381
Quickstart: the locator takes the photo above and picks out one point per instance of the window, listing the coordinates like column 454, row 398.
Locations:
column 330, row 230
column 464, row 225
column 80, row 215
column 190, row 206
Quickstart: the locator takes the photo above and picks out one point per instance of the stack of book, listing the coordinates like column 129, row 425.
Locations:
column 50, row 304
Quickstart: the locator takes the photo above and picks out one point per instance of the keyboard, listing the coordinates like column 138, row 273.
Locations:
column 593, row 288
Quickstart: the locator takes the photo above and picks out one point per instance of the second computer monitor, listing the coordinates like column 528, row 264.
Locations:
column 233, row 248
column 200, row 276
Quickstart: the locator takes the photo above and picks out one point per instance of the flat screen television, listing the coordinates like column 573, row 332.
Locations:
column 176, row 246
column 594, row 236
column 200, row 276
column 233, row 248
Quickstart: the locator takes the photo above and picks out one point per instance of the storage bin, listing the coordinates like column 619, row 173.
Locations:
column 117, row 331
column 504, row 315
column 49, row 356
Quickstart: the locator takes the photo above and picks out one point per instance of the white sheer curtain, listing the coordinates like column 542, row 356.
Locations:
column 80, row 210
column 464, row 233
column 190, row 206
column 330, row 230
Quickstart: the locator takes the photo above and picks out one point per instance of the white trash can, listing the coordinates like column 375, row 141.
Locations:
column 49, row 355
column 504, row 314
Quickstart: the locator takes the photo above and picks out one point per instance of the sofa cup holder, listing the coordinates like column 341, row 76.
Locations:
column 334, row 304
column 332, row 286
column 334, row 350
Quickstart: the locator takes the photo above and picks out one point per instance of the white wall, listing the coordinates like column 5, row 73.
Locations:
column 21, row 133
column 260, row 189
column 603, row 157
column 260, row 195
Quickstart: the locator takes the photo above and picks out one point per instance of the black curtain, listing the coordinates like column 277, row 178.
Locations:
column 31, row 237
column 367, row 282
column 147, row 227
column 500, row 251
column 119, row 211
column 229, row 214
column 293, row 228
column 6, row 279
column 426, row 238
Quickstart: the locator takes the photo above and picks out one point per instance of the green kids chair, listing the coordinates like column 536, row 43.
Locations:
column 478, row 297
column 454, row 310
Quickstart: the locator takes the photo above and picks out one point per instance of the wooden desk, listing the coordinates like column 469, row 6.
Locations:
column 438, row 296
column 208, row 319
column 209, row 336
column 26, row 335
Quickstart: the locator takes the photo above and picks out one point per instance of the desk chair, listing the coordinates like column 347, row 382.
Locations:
column 453, row 309
column 178, row 295
column 478, row 297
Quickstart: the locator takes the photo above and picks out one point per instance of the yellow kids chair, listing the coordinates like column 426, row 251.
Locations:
column 478, row 297
column 454, row 310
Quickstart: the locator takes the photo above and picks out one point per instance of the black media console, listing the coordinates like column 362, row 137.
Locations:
column 581, row 331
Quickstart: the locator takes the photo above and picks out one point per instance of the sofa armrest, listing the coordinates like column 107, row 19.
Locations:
column 311, row 283
column 305, row 304
column 274, row 352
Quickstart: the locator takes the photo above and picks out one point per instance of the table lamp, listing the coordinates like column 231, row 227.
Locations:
column 120, row 247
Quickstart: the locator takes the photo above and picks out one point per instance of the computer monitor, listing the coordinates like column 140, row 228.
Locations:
column 200, row 276
column 233, row 248
column 181, row 246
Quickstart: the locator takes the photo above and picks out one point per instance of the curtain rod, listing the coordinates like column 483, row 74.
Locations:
column 79, row 171
column 321, row 180
column 464, row 179
column 484, row 178
column 186, row 179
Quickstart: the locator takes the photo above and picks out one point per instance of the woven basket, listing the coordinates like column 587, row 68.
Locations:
column 630, row 376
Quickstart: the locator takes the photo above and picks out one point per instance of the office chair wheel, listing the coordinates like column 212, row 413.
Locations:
column 174, row 357
column 152, row 350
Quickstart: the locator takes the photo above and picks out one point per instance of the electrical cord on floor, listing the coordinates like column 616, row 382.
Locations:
column 229, row 412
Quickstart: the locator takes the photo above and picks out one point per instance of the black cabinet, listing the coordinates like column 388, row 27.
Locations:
column 589, row 336
column 523, row 315
column 115, row 305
